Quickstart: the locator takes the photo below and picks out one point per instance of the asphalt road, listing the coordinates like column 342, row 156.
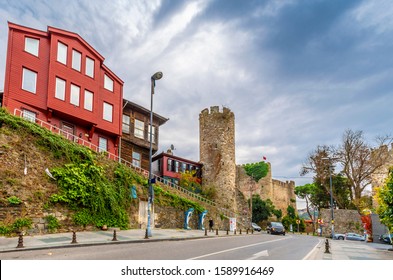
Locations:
column 247, row 247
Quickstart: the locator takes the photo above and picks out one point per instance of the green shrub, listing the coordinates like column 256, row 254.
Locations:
column 21, row 224
column 52, row 223
column 13, row 200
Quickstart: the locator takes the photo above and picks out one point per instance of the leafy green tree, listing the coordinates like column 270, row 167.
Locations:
column 385, row 201
column 256, row 170
column 262, row 210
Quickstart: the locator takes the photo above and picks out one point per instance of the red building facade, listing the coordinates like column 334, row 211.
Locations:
column 57, row 77
column 170, row 167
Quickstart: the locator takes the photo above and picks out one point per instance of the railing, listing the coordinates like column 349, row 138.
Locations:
column 81, row 141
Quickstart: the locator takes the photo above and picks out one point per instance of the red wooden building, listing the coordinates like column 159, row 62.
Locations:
column 57, row 77
column 170, row 167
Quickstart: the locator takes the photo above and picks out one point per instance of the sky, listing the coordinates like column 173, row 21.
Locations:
column 296, row 74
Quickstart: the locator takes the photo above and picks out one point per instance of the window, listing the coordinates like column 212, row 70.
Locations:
column 60, row 89
column 32, row 45
column 102, row 144
column 88, row 104
column 76, row 60
column 29, row 115
column 139, row 129
column 153, row 136
column 62, row 53
column 108, row 83
column 136, row 159
column 169, row 165
column 89, row 67
column 126, row 124
column 75, row 95
column 29, row 80
column 108, row 110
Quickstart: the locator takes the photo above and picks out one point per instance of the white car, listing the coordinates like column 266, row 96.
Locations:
column 256, row 227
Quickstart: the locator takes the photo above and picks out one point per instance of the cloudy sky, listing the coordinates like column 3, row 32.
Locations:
column 295, row 73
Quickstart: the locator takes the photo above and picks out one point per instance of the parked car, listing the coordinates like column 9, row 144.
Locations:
column 339, row 236
column 349, row 236
column 387, row 238
column 256, row 227
column 275, row 228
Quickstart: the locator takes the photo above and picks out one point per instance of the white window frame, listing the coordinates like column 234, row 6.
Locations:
column 154, row 134
column 62, row 50
column 136, row 159
column 126, row 124
column 32, row 45
column 29, row 115
column 75, row 94
column 108, row 83
column 60, row 89
column 107, row 111
column 139, row 129
column 76, row 60
column 88, row 101
column 29, row 80
column 89, row 67
column 102, row 144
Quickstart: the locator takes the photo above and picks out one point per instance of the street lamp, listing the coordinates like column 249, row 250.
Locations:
column 331, row 191
column 154, row 78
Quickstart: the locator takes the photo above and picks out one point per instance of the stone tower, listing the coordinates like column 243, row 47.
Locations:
column 217, row 154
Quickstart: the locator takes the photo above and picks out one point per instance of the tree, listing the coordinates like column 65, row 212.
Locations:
column 385, row 201
column 256, row 170
column 262, row 210
column 359, row 161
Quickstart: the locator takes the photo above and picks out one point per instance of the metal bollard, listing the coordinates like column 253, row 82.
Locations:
column 73, row 238
column 234, row 232
column 327, row 246
column 20, row 241
column 227, row 231
column 205, row 231
column 146, row 234
column 216, row 231
column 240, row 231
column 252, row 231
column 114, row 236
column 247, row 231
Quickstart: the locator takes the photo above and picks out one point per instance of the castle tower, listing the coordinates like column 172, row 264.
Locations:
column 217, row 154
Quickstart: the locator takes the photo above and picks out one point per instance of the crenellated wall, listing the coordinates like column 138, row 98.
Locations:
column 233, row 185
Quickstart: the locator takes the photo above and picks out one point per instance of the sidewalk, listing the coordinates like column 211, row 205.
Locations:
column 89, row 238
column 350, row 250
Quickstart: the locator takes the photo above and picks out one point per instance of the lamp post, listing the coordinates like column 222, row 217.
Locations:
column 154, row 78
column 331, row 192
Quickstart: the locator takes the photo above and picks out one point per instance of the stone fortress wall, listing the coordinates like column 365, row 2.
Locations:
column 234, row 187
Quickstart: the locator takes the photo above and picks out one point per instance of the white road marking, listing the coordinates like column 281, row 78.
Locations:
column 263, row 253
column 236, row 248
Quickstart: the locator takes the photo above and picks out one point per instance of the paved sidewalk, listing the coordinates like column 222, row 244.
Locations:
column 88, row 238
column 350, row 250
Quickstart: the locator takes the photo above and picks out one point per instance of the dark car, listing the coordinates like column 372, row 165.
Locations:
column 275, row 228
column 256, row 227
column 387, row 238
